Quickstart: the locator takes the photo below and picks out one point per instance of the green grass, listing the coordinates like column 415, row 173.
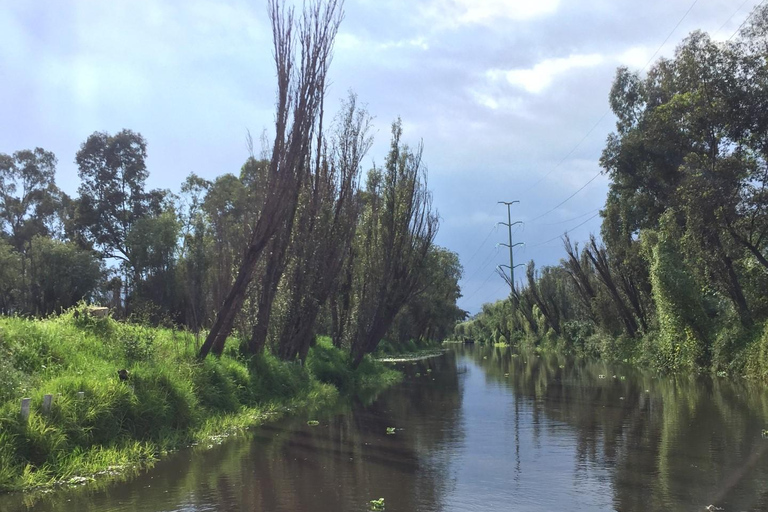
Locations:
column 170, row 400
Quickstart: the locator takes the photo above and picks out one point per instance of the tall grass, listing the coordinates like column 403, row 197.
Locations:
column 170, row 399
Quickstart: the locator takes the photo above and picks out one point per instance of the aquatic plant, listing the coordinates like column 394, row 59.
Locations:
column 376, row 505
column 390, row 430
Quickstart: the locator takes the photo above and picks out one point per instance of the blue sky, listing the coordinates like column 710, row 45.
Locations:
column 508, row 96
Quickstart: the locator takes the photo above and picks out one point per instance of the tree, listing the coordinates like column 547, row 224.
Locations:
column 112, row 196
column 325, row 227
column 29, row 196
column 61, row 274
column 393, row 242
column 301, row 86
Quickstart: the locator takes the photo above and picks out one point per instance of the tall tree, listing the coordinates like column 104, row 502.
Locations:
column 301, row 86
column 29, row 197
column 325, row 228
column 397, row 232
column 112, row 195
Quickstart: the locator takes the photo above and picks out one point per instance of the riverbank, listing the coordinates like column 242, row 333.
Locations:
column 730, row 351
column 100, row 425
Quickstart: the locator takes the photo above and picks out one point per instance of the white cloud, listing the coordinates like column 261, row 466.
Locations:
column 453, row 13
column 635, row 57
column 536, row 79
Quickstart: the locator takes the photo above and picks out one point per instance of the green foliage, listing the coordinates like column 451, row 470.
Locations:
column 683, row 341
column 169, row 399
column 61, row 274
column 137, row 341
column 376, row 505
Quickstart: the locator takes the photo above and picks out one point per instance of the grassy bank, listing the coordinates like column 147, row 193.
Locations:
column 732, row 350
column 170, row 400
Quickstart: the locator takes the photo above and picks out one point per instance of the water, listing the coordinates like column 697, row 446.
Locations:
column 482, row 430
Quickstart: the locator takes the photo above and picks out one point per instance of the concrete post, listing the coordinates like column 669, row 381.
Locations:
column 47, row 402
column 25, row 402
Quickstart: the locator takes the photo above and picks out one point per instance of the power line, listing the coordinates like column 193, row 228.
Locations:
column 669, row 35
column 485, row 263
column 481, row 286
column 731, row 17
column 746, row 20
column 566, row 232
column 680, row 21
column 569, row 197
column 495, row 226
column 570, row 152
column 571, row 219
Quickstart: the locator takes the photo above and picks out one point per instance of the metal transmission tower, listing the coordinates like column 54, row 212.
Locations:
column 510, row 245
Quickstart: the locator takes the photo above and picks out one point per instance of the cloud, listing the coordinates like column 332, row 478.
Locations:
column 538, row 78
column 455, row 13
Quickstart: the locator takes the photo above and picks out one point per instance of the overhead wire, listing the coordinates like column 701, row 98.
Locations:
column 731, row 17
column 566, row 232
column 481, row 286
column 680, row 21
column 571, row 219
column 754, row 10
column 593, row 178
column 471, row 258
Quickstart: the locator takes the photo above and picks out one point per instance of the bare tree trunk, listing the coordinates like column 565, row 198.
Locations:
column 299, row 96
column 600, row 261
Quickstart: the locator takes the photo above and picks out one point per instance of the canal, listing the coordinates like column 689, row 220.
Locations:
column 478, row 429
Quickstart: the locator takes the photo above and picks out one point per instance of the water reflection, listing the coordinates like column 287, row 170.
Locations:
column 662, row 443
column 480, row 429
column 341, row 464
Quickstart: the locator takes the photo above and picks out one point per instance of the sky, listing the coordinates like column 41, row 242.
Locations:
column 510, row 97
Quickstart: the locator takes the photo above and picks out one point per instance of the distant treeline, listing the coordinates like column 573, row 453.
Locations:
column 290, row 246
column 679, row 277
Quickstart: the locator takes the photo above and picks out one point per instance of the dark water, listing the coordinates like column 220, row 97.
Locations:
column 481, row 431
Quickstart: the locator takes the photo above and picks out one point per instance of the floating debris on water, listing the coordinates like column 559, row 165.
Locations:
column 376, row 505
column 313, row 423
column 390, row 430
column 601, row 376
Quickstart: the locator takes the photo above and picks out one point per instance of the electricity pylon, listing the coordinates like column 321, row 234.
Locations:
column 510, row 245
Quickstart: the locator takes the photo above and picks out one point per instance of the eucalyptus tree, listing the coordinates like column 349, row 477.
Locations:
column 683, row 144
column 29, row 197
column 112, row 195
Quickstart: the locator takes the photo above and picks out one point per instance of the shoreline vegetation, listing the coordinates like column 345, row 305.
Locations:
column 676, row 278
column 170, row 400
column 300, row 241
